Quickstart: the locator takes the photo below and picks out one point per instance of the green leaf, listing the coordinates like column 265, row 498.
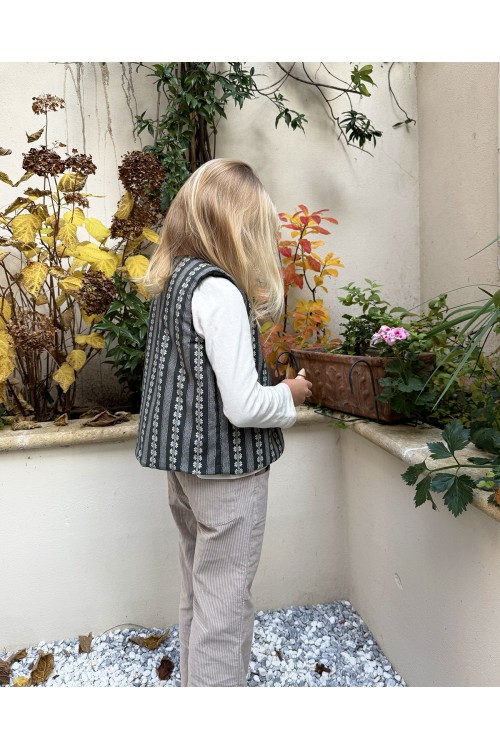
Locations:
column 423, row 492
column 438, row 450
column 459, row 495
column 442, row 481
column 456, row 436
column 477, row 461
column 412, row 473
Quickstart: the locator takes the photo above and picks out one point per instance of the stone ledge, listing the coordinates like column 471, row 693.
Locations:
column 403, row 441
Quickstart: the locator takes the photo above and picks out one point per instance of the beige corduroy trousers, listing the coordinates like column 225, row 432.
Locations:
column 221, row 528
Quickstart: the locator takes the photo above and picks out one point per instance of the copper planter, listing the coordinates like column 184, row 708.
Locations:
column 350, row 383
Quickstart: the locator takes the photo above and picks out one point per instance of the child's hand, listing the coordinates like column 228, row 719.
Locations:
column 300, row 387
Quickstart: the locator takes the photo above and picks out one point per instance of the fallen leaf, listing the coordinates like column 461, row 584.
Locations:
column 42, row 668
column 104, row 419
column 4, row 672
column 320, row 668
column 22, row 682
column 166, row 668
column 24, row 425
column 497, row 496
column 62, row 420
column 5, row 151
column 85, row 641
column 279, row 654
column 21, row 654
column 152, row 641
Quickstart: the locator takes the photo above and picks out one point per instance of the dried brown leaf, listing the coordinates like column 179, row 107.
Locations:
column 166, row 668
column 104, row 419
column 25, row 425
column 42, row 668
column 85, row 642
column 152, row 641
column 320, row 668
column 67, row 318
column 34, row 136
column 5, row 151
column 62, row 420
column 21, row 654
column 4, row 672
column 279, row 654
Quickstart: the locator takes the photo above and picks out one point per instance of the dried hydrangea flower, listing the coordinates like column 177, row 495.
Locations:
column 32, row 331
column 42, row 104
column 141, row 173
column 43, row 162
column 96, row 292
column 77, row 199
column 80, row 163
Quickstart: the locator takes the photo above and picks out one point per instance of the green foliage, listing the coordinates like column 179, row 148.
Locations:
column 359, row 128
column 125, row 328
column 452, row 480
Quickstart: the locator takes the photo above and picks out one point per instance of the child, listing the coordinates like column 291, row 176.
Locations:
column 209, row 415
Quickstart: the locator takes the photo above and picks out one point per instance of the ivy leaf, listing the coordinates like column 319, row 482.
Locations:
column 459, row 495
column 412, row 473
column 438, row 450
column 456, row 436
column 423, row 492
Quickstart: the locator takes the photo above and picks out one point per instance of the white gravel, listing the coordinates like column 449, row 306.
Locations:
column 325, row 645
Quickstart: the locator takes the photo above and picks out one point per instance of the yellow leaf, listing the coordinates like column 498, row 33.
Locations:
column 141, row 289
column 70, row 284
column 125, row 206
column 33, row 277
column 95, row 340
column 65, row 376
column 71, row 182
column 3, row 393
column 61, row 299
column 25, row 227
column 67, row 235
column 136, row 266
column 96, row 229
column 57, row 271
column 22, row 682
column 5, row 178
column 42, row 299
column 150, row 235
column 19, row 203
column 25, row 176
column 75, row 216
column 7, row 354
column 89, row 319
column 34, row 136
column 76, row 359
column 107, row 264
column 5, row 312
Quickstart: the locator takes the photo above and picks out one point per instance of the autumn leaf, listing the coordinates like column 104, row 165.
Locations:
column 320, row 668
column 105, row 419
column 34, row 136
column 165, row 668
column 5, row 178
column 25, row 226
column 152, row 642
column 136, row 266
column 42, row 668
column 150, row 235
column 4, row 672
column 95, row 340
column 22, row 682
column 76, row 358
column 62, row 420
column 65, row 376
column 84, row 643
column 5, row 151
column 25, row 425
column 125, row 206
column 96, row 229
column 17, row 656
column 71, row 182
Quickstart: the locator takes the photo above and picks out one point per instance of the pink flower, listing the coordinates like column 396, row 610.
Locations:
column 389, row 335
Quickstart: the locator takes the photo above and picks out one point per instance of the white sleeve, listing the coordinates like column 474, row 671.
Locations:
column 220, row 318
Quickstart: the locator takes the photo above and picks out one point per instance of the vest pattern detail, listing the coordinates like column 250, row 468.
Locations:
column 182, row 425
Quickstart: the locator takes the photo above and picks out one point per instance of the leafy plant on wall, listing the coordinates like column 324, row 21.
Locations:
column 62, row 269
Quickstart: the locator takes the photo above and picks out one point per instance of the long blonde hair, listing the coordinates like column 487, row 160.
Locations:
column 223, row 215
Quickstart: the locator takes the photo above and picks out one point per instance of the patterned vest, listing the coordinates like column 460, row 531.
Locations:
column 182, row 426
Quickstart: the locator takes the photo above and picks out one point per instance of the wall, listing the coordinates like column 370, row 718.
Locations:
column 424, row 582
column 98, row 547
column 458, row 158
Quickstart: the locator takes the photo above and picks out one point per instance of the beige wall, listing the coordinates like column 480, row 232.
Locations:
column 458, row 163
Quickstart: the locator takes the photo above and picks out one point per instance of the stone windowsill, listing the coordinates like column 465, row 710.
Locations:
column 406, row 442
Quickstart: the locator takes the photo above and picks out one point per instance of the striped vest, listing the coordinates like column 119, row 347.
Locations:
column 182, row 426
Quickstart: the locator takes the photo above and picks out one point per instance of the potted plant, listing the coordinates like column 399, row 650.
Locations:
column 61, row 270
column 380, row 368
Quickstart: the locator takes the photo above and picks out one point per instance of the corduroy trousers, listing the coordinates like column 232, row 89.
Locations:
column 221, row 528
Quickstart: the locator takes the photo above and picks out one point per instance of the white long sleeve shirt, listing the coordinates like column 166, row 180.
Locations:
column 220, row 318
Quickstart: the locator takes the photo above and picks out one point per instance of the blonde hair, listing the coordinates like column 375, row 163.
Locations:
column 223, row 215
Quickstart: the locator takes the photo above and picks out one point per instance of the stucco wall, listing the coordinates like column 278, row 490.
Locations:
column 458, row 154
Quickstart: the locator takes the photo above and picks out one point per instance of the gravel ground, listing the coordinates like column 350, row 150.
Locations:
column 325, row 645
